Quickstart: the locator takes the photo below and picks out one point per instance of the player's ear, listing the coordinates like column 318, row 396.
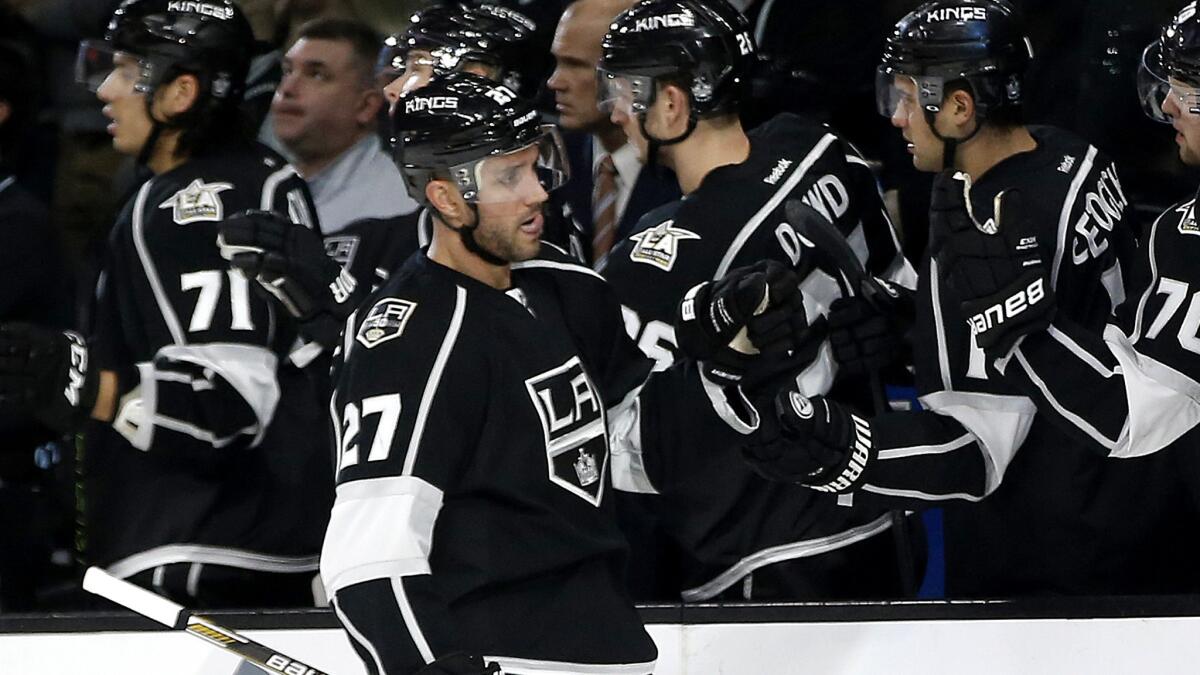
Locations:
column 178, row 96
column 674, row 107
column 445, row 199
column 961, row 106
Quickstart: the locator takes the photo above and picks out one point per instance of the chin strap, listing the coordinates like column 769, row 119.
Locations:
column 467, row 234
column 656, row 144
column 950, row 145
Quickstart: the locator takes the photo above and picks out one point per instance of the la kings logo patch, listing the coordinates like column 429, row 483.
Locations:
column 659, row 246
column 198, row 202
column 573, row 422
column 341, row 249
column 385, row 321
column 1187, row 218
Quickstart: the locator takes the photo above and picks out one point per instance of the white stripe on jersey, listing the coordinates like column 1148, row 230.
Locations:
column 1152, row 286
column 536, row 667
column 1064, row 224
column 1071, row 417
column 939, row 324
column 143, row 251
column 211, row 555
column 435, row 378
column 798, row 549
column 410, row 620
column 358, row 637
column 773, row 203
column 267, row 202
column 551, row 264
column 916, row 450
column 917, row 494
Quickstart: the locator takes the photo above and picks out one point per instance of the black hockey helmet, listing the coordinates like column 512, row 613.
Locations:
column 210, row 39
column 1175, row 55
column 451, row 127
column 705, row 46
column 444, row 38
column 979, row 41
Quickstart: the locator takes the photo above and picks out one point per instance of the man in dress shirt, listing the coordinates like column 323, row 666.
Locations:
column 608, row 190
column 324, row 114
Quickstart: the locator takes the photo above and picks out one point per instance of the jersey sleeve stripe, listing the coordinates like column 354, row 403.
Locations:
column 917, row 494
column 773, row 203
column 1078, row 421
column 913, row 451
column 1152, row 286
column 939, row 325
column 410, row 619
column 1083, row 355
column 1064, row 218
column 358, row 637
column 435, row 378
column 143, row 251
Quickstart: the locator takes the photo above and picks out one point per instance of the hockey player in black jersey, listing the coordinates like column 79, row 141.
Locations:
column 482, row 39
column 204, row 472
column 487, row 398
column 673, row 73
column 1131, row 391
column 1055, row 518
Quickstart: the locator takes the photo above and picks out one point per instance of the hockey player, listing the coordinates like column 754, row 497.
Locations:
column 204, row 472
column 1131, row 391
column 485, row 396
column 321, row 291
column 673, row 73
column 1056, row 519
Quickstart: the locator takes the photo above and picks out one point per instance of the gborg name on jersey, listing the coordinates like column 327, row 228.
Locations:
column 1012, row 307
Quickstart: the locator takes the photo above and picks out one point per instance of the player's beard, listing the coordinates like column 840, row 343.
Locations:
column 506, row 242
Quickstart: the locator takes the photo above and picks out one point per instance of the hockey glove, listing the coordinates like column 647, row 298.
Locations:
column 46, row 372
column 869, row 331
column 723, row 324
column 997, row 267
column 459, row 663
column 815, row 442
column 289, row 263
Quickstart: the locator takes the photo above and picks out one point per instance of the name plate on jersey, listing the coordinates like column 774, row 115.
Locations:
column 573, row 424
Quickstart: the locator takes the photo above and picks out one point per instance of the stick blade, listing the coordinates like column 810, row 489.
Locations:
column 825, row 237
column 140, row 600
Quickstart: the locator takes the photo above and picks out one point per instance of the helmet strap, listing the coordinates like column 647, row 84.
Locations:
column 950, row 145
column 156, row 129
column 656, row 144
column 467, row 234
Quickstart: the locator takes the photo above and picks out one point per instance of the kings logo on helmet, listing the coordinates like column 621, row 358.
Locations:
column 665, row 21
column 204, row 8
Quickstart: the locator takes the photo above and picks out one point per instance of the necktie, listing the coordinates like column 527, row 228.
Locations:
column 604, row 208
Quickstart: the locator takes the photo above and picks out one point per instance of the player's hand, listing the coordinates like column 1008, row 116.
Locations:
column 751, row 310
column 459, row 663
column 997, row 267
column 288, row 261
column 815, row 442
column 869, row 331
column 47, row 372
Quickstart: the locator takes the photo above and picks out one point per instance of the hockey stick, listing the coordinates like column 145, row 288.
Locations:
column 178, row 617
column 828, row 241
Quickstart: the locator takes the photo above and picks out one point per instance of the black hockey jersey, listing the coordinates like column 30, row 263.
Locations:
column 1055, row 519
column 1133, row 390
column 729, row 521
column 216, row 454
column 479, row 433
column 372, row 249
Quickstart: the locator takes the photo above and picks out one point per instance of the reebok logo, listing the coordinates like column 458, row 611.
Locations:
column 1012, row 307
column 777, row 173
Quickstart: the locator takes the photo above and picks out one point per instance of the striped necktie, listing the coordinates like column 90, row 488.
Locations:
column 604, row 208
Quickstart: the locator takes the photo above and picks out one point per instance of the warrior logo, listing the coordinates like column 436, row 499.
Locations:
column 198, row 202
column 659, row 246
column 385, row 321
column 573, row 422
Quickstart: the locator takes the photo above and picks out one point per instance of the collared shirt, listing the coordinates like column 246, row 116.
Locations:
column 361, row 183
column 625, row 159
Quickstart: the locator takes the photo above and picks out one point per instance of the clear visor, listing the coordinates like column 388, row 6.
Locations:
column 898, row 94
column 1154, row 86
column 404, row 70
column 630, row 94
column 97, row 63
column 526, row 175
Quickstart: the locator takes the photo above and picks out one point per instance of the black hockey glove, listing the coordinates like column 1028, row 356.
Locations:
column 869, row 331
column 46, row 372
column 815, row 442
column 724, row 324
column 459, row 663
column 997, row 267
column 289, row 263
